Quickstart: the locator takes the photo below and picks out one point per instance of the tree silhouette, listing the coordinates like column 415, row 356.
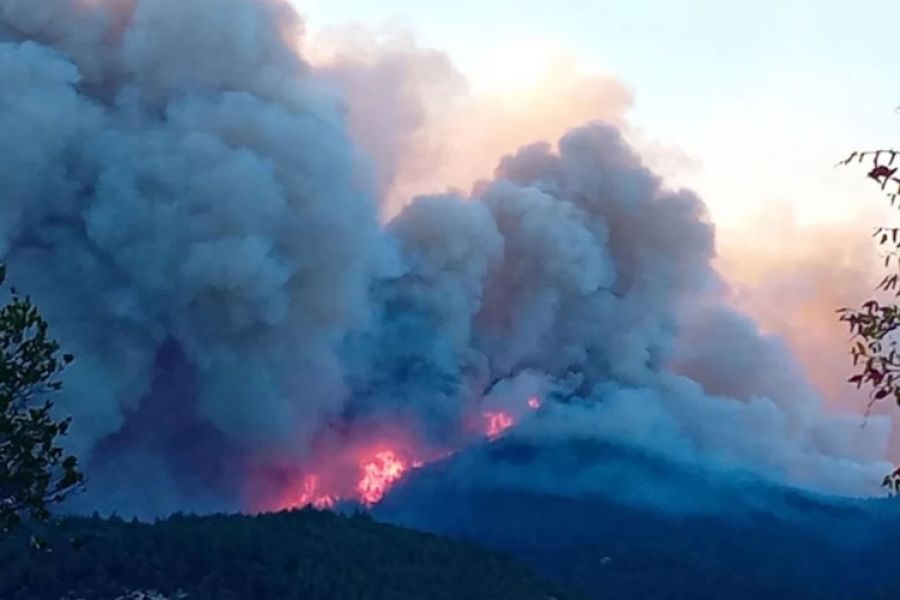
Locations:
column 35, row 471
column 874, row 325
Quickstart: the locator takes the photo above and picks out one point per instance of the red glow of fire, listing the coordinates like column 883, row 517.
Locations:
column 366, row 473
column 379, row 475
column 497, row 423
column 363, row 475
column 309, row 497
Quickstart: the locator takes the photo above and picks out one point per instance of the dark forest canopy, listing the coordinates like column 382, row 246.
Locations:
column 35, row 470
column 303, row 554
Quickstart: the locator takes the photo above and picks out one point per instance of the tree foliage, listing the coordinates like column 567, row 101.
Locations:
column 292, row 555
column 35, row 472
column 874, row 326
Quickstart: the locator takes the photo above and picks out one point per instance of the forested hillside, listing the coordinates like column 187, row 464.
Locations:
column 305, row 554
column 706, row 537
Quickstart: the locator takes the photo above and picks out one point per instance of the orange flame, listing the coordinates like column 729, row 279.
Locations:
column 379, row 475
column 497, row 423
column 366, row 474
column 309, row 497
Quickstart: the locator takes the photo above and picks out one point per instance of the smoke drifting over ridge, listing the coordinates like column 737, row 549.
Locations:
column 414, row 112
column 183, row 199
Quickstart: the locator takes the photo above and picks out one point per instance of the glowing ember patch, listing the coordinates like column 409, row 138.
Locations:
column 379, row 475
column 497, row 423
column 310, row 497
column 534, row 403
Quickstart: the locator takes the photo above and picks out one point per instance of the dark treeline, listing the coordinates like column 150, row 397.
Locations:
column 304, row 554
column 606, row 550
column 705, row 537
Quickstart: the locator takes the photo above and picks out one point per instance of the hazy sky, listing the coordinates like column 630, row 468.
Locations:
column 764, row 96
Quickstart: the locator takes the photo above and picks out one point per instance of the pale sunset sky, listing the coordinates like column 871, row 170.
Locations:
column 762, row 97
column 753, row 102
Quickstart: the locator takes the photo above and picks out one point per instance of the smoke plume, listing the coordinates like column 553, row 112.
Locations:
column 192, row 206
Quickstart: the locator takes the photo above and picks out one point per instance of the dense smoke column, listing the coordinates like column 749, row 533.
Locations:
column 179, row 186
column 183, row 200
column 577, row 268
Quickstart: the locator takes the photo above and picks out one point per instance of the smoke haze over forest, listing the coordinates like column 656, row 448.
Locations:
column 278, row 264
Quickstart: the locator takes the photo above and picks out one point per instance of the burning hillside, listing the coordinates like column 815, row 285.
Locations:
column 183, row 199
column 364, row 475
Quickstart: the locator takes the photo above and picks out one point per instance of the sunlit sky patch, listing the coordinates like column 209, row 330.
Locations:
column 763, row 97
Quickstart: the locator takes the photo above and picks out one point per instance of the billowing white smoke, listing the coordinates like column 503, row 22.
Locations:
column 180, row 195
column 190, row 184
column 604, row 285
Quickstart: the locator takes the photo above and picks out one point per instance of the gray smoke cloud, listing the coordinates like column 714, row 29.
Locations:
column 606, row 287
column 393, row 92
column 182, row 197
